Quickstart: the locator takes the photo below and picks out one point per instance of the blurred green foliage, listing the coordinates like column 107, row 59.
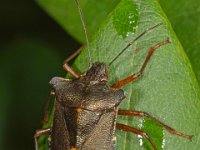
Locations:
column 33, row 48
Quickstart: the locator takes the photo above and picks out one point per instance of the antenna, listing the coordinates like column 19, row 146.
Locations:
column 85, row 30
column 133, row 41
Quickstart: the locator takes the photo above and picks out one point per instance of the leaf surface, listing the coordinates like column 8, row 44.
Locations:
column 186, row 23
column 168, row 89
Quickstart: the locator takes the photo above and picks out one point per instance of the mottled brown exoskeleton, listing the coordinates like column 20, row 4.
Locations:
column 86, row 107
column 85, row 111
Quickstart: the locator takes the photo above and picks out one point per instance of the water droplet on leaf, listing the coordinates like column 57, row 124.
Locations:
column 125, row 18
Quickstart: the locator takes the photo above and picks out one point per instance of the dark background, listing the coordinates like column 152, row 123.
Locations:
column 33, row 48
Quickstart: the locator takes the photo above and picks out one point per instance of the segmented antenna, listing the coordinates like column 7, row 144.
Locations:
column 85, row 30
column 133, row 41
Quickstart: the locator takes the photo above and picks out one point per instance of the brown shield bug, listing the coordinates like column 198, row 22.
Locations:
column 86, row 107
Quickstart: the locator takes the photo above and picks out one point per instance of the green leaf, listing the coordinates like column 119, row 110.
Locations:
column 186, row 23
column 168, row 89
column 184, row 19
column 65, row 12
column 27, row 65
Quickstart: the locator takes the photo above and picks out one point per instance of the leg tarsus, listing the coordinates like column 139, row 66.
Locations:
column 134, row 40
column 73, row 55
column 135, row 131
column 145, row 114
column 38, row 133
column 151, row 51
column 139, row 73
column 68, row 68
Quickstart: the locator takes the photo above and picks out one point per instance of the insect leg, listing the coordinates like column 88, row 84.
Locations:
column 135, row 131
column 145, row 114
column 38, row 133
column 46, row 108
column 66, row 65
column 139, row 73
column 134, row 40
column 73, row 55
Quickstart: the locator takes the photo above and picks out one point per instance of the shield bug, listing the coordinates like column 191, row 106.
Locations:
column 86, row 107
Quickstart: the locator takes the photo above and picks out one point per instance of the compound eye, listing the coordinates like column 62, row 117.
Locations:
column 104, row 78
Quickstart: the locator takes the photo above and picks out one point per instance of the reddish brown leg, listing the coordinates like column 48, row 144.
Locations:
column 144, row 114
column 68, row 68
column 135, row 131
column 40, row 132
column 73, row 55
column 46, row 108
column 138, row 74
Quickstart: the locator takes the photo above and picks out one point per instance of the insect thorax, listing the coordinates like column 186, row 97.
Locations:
column 89, row 111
